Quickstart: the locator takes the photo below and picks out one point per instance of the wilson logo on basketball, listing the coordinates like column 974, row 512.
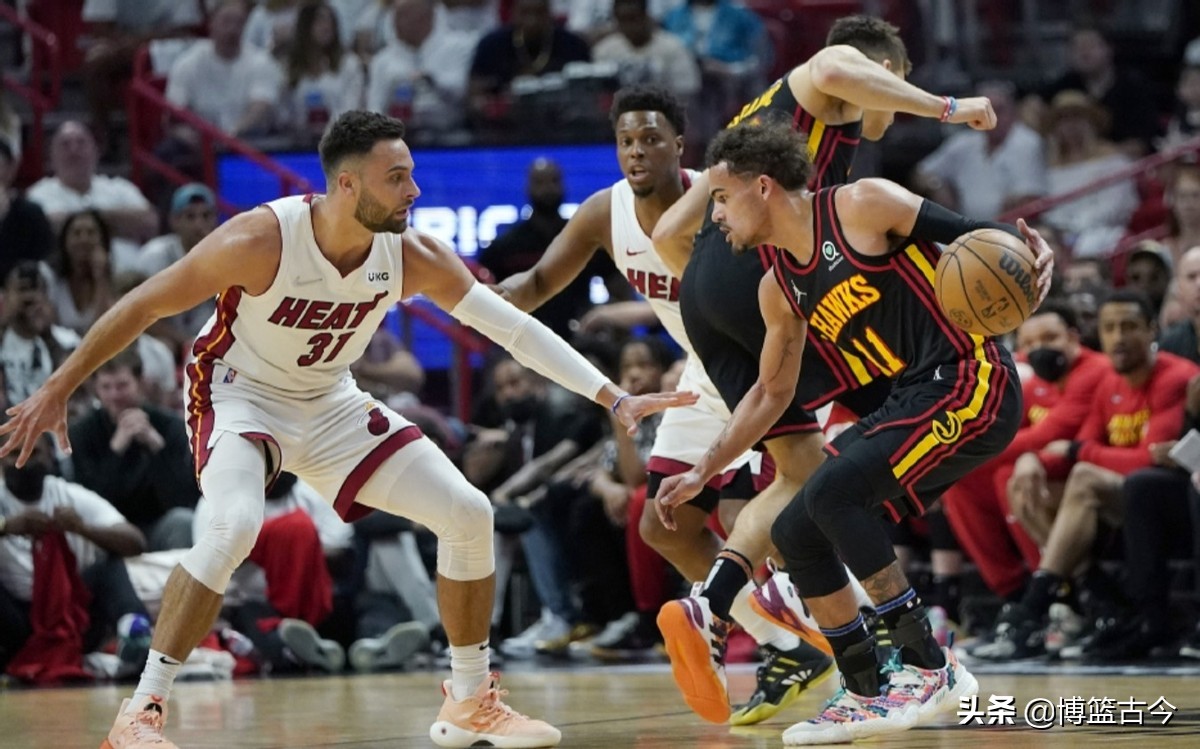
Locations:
column 1012, row 267
column 948, row 432
column 377, row 275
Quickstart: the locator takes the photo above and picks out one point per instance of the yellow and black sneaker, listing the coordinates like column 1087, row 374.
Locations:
column 781, row 678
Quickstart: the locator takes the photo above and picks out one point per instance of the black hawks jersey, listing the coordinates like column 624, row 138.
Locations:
column 720, row 289
column 881, row 312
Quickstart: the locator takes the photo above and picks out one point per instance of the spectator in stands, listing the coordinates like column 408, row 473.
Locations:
column 284, row 589
column 421, row 78
column 160, row 362
column 387, row 369
column 235, row 88
column 34, row 503
column 116, row 30
column 1149, row 271
column 348, row 13
column 1183, row 338
column 1139, row 403
column 595, row 19
column 647, row 54
column 551, row 430
column 82, row 288
column 1078, row 154
column 519, row 248
column 531, row 46
column 1122, row 95
column 985, row 173
column 25, row 234
column 271, row 27
column 193, row 217
column 1183, row 196
column 1185, row 120
column 75, row 187
column 723, row 34
column 323, row 79
column 1057, row 397
column 31, row 345
column 136, row 456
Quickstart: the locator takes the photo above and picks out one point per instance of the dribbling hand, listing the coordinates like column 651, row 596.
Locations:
column 1044, row 262
column 44, row 411
column 637, row 407
column 975, row 112
column 674, row 491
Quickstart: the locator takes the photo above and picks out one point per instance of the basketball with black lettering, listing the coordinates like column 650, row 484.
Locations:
column 986, row 282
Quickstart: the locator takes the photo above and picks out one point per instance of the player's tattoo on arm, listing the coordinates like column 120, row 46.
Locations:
column 886, row 584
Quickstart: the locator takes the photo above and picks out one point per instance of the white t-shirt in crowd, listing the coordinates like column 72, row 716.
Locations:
column 983, row 180
column 159, row 253
column 221, row 90
column 103, row 194
column 16, row 552
column 665, row 61
column 445, row 57
column 337, row 92
column 26, row 361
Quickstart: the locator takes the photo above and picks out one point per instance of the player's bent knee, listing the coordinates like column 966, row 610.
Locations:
column 225, row 543
column 465, row 545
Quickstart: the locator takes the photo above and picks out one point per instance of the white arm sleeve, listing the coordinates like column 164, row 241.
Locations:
column 529, row 341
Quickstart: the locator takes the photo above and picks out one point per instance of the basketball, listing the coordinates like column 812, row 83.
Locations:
column 986, row 282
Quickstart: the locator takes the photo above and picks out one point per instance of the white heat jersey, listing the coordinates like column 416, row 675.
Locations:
column 636, row 258
column 302, row 334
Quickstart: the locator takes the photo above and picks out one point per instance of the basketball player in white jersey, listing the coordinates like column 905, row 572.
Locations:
column 303, row 283
column 649, row 125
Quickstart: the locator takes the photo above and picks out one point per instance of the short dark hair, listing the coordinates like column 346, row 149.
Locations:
column 874, row 37
column 128, row 358
column 649, row 99
column 660, row 353
column 1065, row 312
column 642, row 5
column 1132, row 296
column 771, row 149
column 355, row 133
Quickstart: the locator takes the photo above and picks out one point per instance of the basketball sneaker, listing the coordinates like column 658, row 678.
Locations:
column 781, row 678
column 695, row 639
column 140, row 729
column 1018, row 635
column 484, row 720
column 778, row 602
column 309, row 648
column 930, row 691
column 848, row 716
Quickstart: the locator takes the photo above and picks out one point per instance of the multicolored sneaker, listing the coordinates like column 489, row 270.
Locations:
column 140, row 729
column 781, row 679
column 848, row 716
column 484, row 720
column 778, row 602
column 695, row 641
column 930, row 691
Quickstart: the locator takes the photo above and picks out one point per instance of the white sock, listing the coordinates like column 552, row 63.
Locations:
column 468, row 669
column 764, row 632
column 156, row 681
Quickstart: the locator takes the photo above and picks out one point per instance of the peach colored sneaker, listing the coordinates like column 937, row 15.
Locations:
column 141, row 729
column 483, row 720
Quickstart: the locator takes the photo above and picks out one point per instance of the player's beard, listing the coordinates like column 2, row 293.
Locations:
column 376, row 217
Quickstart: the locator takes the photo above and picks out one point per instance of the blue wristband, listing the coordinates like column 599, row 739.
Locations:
column 617, row 403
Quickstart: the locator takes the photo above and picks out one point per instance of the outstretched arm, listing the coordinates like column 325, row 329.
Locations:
column 844, row 73
column 432, row 269
column 566, row 256
column 244, row 252
column 677, row 227
column 779, row 370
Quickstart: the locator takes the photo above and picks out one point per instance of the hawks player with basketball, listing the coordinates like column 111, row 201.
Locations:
column 649, row 126
column 848, row 90
column 302, row 283
column 854, row 266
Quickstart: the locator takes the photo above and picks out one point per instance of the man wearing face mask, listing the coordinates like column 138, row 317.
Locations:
column 550, row 431
column 1057, row 399
column 1069, row 493
column 33, row 503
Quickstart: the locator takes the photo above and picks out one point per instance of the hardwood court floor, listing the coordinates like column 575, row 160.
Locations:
column 596, row 708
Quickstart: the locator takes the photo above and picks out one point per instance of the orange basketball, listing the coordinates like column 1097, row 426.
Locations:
column 986, row 282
